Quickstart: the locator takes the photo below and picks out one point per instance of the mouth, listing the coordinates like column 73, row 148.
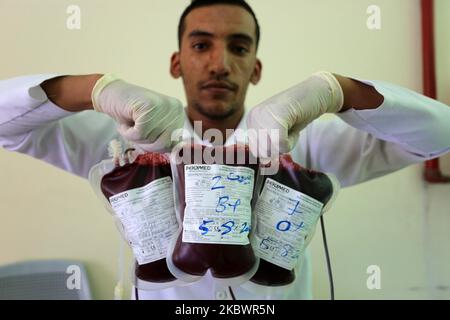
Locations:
column 218, row 87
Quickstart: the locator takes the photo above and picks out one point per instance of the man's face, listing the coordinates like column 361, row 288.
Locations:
column 217, row 59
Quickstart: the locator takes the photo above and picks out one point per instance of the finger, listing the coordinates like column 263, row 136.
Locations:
column 269, row 141
column 129, row 133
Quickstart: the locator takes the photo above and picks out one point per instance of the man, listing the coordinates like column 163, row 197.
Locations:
column 387, row 127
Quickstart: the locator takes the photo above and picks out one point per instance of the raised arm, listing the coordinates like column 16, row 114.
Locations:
column 358, row 95
column 39, row 116
column 387, row 127
column 71, row 93
column 294, row 109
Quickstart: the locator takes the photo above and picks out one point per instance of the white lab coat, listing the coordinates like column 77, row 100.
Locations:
column 355, row 146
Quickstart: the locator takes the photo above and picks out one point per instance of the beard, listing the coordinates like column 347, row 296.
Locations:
column 213, row 113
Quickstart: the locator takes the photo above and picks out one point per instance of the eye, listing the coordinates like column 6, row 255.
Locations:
column 240, row 50
column 200, row 46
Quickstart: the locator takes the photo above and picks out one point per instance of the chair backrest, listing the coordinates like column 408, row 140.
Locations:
column 44, row 280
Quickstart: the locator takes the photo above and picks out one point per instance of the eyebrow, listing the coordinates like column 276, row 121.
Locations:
column 234, row 36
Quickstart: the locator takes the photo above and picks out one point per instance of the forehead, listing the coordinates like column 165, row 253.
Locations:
column 221, row 20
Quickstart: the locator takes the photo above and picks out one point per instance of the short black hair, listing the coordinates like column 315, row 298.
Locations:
column 203, row 3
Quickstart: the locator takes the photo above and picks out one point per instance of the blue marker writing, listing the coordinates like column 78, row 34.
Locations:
column 203, row 226
column 229, row 227
column 215, row 186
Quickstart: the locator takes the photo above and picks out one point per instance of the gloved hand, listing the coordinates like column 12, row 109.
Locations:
column 145, row 117
column 291, row 111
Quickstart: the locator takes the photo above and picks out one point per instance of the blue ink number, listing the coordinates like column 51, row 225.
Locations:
column 215, row 186
column 285, row 225
column 284, row 251
column 294, row 210
column 245, row 227
column 228, row 226
column 263, row 245
column 203, row 226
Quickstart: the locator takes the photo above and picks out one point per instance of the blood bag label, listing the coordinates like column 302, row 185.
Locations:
column 218, row 209
column 285, row 217
column 148, row 217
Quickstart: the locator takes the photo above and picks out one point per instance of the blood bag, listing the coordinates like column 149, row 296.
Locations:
column 214, row 191
column 139, row 194
column 288, row 207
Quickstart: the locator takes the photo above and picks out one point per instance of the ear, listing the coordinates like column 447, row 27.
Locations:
column 175, row 67
column 257, row 72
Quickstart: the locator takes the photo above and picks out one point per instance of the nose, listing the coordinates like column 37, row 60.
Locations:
column 219, row 66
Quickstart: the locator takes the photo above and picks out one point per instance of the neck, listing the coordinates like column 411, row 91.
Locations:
column 230, row 122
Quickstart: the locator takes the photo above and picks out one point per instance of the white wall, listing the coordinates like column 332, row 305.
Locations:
column 48, row 213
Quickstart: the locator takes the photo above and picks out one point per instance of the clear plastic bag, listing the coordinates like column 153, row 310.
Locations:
column 288, row 207
column 137, row 189
column 215, row 216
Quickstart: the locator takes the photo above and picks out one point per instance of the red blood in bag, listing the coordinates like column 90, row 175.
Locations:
column 224, row 260
column 312, row 183
column 146, row 168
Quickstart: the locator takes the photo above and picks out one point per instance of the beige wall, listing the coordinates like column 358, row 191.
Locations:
column 47, row 213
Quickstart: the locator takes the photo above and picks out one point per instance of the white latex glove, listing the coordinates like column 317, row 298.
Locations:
column 145, row 117
column 291, row 111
